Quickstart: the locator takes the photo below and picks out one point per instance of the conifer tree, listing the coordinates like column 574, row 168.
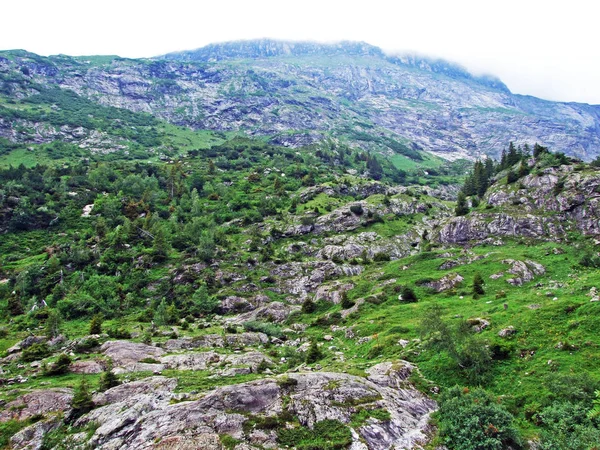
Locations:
column 82, row 400
column 462, row 208
column 96, row 324
column 108, row 379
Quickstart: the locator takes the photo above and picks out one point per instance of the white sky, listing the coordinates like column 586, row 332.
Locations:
column 549, row 48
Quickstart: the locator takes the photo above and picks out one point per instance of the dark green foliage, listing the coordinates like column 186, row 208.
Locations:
column 473, row 420
column 96, row 324
column 408, row 295
column 15, row 307
column 269, row 329
column 462, row 208
column 202, row 302
column 308, row 306
column 116, row 332
column 346, row 303
column 325, row 435
column 36, row 352
column 356, row 209
column 108, row 379
column 471, row 357
column 478, row 284
column 82, row 401
column 590, row 260
column 61, row 366
column 568, row 426
column 314, row 353
column 511, row 177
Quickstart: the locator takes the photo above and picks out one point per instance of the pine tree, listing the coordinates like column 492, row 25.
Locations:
column 96, row 324
column 513, row 156
column 82, row 401
column 160, row 316
column 160, row 245
column 108, row 379
column 314, row 353
column 462, row 208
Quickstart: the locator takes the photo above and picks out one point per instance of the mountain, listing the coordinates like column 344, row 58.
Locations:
column 299, row 93
column 272, row 279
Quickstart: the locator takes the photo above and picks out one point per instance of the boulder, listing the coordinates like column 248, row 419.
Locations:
column 525, row 271
column 37, row 402
column 32, row 437
column 127, row 356
column 146, row 419
column 507, row 332
column 449, row 281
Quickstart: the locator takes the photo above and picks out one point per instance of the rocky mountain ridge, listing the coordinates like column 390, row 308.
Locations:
column 296, row 94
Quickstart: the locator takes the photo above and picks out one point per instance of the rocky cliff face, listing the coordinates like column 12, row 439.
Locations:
column 298, row 93
column 545, row 205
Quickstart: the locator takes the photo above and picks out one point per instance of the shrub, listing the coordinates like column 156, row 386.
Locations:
column 308, row 306
column 61, row 366
column 475, row 421
column 36, row 352
column 381, row 257
column 85, row 345
column 263, row 327
column 356, row 209
column 96, row 324
column 314, row 353
column 82, row 401
column 478, row 284
column 118, row 333
column 326, row 435
column 346, row 302
column 408, row 295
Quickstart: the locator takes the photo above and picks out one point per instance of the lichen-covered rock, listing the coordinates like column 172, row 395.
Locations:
column 32, row 437
column 142, row 417
column 37, row 402
column 525, row 271
column 447, row 282
column 87, row 367
column 216, row 341
column 122, row 392
column 128, row 356
column 507, row 332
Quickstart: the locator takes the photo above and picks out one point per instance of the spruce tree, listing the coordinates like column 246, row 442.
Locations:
column 82, row 401
column 96, row 324
column 314, row 353
column 108, row 379
column 462, row 208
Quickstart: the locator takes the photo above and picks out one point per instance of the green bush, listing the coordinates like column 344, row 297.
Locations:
column 263, row 327
column 473, row 420
column 325, row 435
column 61, row 366
column 36, row 352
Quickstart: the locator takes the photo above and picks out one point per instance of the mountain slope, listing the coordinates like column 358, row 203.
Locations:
column 300, row 93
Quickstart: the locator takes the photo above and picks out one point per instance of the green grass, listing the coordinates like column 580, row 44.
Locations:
column 404, row 163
